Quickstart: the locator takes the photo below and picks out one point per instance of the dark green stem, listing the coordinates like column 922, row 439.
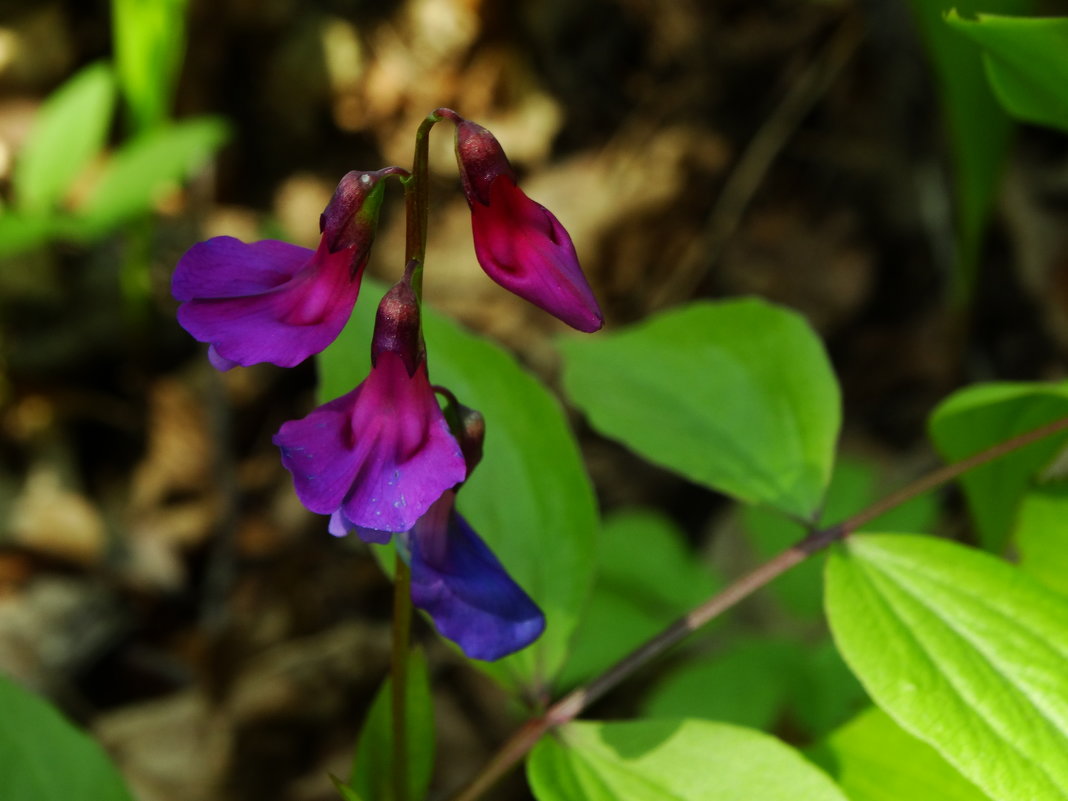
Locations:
column 417, row 202
column 571, row 705
column 402, row 624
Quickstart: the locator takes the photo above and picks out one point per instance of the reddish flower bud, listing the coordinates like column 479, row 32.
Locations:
column 518, row 242
column 397, row 326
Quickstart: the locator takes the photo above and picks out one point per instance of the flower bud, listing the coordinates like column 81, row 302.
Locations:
column 397, row 324
column 518, row 242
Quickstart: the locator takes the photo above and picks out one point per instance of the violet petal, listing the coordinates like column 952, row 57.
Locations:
column 264, row 302
column 381, row 454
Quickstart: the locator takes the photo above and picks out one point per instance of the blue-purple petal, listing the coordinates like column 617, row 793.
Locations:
column 467, row 592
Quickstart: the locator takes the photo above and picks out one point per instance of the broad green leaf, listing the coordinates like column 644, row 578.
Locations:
column 44, row 758
column 981, row 416
column 978, row 131
column 145, row 167
column 647, row 576
column 738, row 395
column 964, row 651
column 69, row 131
column 1026, row 61
column 530, row 499
column 852, row 488
column 1042, row 535
column 680, row 760
column 372, row 764
column 149, row 43
column 874, row 759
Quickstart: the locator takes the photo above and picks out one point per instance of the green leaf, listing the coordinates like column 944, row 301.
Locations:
column 1026, row 61
column 964, row 651
column 530, row 499
column 647, row 576
column 44, row 758
column 738, row 395
column 1042, row 535
column 825, row 693
column 746, row 684
column 145, row 167
column 874, row 759
column 852, row 488
column 676, row 760
column 149, row 43
column 983, row 415
column 979, row 132
column 372, row 764
column 19, row 233
column 69, row 131
column 758, row 682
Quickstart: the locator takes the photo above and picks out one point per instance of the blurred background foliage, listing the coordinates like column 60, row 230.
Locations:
column 157, row 577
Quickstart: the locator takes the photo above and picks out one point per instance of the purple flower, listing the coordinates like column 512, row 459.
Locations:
column 518, row 242
column 270, row 301
column 376, row 458
column 466, row 591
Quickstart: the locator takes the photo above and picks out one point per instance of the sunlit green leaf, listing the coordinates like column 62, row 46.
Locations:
column 530, row 499
column 149, row 44
column 874, row 759
column 964, row 651
column 980, row 416
column 738, row 395
column 44, row 758
column 69, row 131
column 372, row 764
column 1026, row 61
column 657, row 760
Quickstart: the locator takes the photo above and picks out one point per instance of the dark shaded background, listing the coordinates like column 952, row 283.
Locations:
column 157, row 576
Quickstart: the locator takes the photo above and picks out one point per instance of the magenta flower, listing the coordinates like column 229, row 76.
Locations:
column 466, row 591
column 518, row 242
column 376, row 458
column 270, row 301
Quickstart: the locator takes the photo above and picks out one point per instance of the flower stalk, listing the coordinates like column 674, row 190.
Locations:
column 417, row 201
column 402, row 624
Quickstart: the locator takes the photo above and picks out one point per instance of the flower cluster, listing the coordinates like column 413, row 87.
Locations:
column 385, row 459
